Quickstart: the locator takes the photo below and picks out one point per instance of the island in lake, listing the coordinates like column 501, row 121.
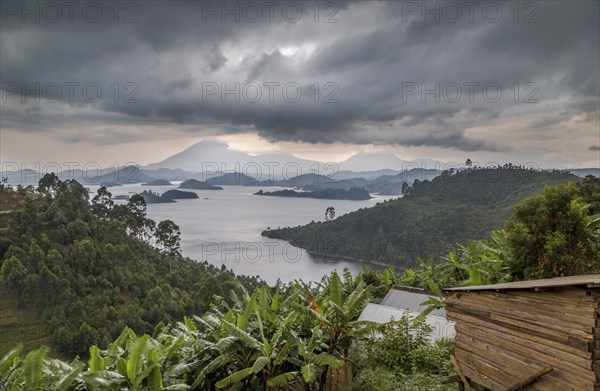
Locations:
column 158, row 182
column 198, row 185
column 179, row 195
column 154, row 198
column 354, row 194
column 121, row 197
column 108, row 184
column 233, row 179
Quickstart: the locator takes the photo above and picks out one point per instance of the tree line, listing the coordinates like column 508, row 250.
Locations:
column 88, row 269
column 454, row 207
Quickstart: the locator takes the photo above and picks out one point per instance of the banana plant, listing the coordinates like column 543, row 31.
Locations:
column 37, row 372
column 312, row 361
column 140, row 363
column 261, row 330
column 453, row 269
column 594, row 223
column 293, row 336
column 390, row 277
column 337, row 312
column 9, row 365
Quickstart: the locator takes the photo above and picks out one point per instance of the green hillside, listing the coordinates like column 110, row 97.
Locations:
column 75, row 273
column 432, row 216
column 20, row 325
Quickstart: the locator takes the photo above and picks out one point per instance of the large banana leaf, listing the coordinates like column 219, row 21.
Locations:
column 68, row 378
column 155, row 377
column 134, row 362
column 282, row 379
column 234, row 378
column 309, row 372
column 260, row 363
column 215, row 364
column 323, row 359
column 335, row 292
column 96, row 363
column 32, row 367
column 103, row 380
column 7, row 362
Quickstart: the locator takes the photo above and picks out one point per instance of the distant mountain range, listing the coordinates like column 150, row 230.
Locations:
column 382, row 184
column 385, row 182
column 583, row 172
column 210, row 157
column 384, row 161
column 215, row 163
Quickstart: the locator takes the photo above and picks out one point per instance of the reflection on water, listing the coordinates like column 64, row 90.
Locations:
column 223, row 227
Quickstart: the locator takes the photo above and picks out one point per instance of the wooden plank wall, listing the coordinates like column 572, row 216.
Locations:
column 595, row 294
column 506, row 336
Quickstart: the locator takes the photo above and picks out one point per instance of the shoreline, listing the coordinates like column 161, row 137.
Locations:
column 379, row 265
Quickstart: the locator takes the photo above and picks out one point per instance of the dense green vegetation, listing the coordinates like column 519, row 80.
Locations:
column 289, row 337
column 433, row 215
column 178, row 194
column 402, row 359
column 154, row 198
column 354, row 194
column 555, row 233
column 83, row 271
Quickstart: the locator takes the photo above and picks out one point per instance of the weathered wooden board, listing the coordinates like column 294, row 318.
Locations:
column 517, row 335
column 543, row 320
column 582, row 343
column 582, row 369
column 583, row 317
column 508, row 337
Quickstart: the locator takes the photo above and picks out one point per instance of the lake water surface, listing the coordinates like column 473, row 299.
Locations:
column 224, row 226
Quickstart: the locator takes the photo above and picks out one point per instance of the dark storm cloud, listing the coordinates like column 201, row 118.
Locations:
column 370, row 57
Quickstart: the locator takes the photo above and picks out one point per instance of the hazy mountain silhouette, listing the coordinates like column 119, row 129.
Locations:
column 380, row 161
column 212, row 156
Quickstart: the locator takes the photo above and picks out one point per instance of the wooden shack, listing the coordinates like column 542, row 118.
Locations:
column 529, row 335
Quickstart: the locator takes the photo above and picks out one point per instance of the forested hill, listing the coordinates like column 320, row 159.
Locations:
column 75, row 273
column 354, row 193
column 432, row 216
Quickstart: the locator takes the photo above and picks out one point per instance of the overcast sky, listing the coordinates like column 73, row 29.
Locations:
column 140, row 81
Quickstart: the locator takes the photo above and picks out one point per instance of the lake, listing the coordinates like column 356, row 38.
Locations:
column 224, row 226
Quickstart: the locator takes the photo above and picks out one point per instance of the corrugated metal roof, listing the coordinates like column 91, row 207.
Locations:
column 442, row 327
column 592, row 280
column 409, row 299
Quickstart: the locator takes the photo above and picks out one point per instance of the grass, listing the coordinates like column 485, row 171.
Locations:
column 11, row 200
column 18, row 325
